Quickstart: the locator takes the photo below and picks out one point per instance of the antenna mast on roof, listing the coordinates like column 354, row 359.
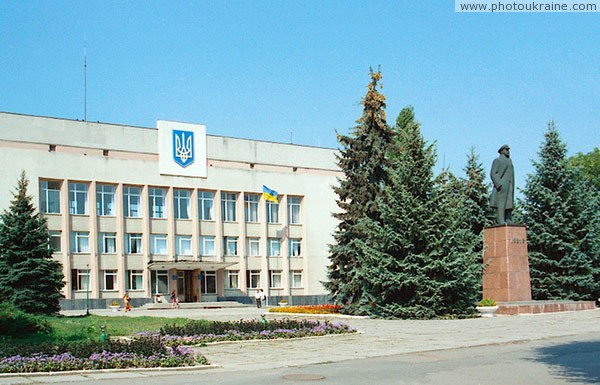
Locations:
column 85, row 79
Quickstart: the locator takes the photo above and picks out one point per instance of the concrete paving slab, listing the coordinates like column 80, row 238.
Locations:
column 379, row 338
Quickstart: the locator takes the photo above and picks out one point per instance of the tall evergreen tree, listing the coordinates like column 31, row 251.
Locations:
column 29, row 277
column 477, row 191
column 420, row 259
column 362, row 159
column 562, row 217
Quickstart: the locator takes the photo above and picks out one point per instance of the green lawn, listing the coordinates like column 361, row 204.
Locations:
column 83, row 328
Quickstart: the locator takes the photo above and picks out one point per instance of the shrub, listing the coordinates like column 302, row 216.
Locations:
column 16, row 323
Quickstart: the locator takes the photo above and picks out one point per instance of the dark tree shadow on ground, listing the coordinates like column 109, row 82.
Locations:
column 575, row 361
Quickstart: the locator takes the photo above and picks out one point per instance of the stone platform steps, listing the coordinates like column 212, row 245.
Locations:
column 194, row 305
column 536, row 307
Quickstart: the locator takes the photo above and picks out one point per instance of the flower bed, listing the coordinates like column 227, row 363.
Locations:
column 144, row 352
column 153, row 349
column 195, row 332
column 309, row 309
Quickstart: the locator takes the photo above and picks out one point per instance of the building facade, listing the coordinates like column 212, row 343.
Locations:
column 146, row 211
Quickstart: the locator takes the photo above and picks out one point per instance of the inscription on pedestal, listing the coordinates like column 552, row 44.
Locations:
column 506, row 271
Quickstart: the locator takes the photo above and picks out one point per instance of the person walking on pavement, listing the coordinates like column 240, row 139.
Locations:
column 258, row 297
column 174, row 300
column 127, row 302
column 263, row 298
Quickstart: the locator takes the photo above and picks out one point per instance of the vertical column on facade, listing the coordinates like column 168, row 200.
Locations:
column 66, row 238
column 285, row 279
column 218, row 227
column 264, row 238
column 170, row 214
column 120, row 241
column 145, row 210
column 264, row 261
column 304, row 249
column 94, row 270
column 219, row 254
column 194, row 216
column 170, row 224
column 243, row 253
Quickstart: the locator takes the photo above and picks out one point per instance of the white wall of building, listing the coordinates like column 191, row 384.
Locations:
column 67, row 150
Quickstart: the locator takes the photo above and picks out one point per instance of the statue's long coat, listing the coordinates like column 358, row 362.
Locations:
column 503, row 174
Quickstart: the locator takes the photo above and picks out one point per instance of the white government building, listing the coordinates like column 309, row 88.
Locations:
column 145, row 211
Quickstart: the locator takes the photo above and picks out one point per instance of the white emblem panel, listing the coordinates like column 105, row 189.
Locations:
column 181, row 149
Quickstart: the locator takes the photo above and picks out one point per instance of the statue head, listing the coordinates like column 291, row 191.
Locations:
column 504, row 150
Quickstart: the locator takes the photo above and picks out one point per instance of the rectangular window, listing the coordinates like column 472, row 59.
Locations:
column 80, row 279
column 108, row 243
column 160, row 281
column 208, row 284
column 253, row 247
column 294, row 210
column 272, row 212
column 228, row 207
column 230, row 245
column 80, row 242
column 274, row 246
column 296, row 278
column 206, row 201
column 207, row 246
column 295, row 247
column 184, row 244
column 50, row 197
column 275, row 279
column 105, row 200
column 54, row 241
column 110, row 280
column 158, row 244
column 78, row 198
column 233, row 279
column 134, row 243
column 135, row 280
column 156, row 202
column 253, row 279
column 251, row 207
column 181, row 200
column 132, row 201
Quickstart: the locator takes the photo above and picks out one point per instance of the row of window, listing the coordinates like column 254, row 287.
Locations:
column 80, row 280
column 134, row 280
column 132, row 208
column 107, row 244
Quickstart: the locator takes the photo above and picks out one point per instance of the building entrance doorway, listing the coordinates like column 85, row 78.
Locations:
column 185, row 286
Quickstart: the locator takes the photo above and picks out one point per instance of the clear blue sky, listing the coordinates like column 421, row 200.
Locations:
column 265, row 69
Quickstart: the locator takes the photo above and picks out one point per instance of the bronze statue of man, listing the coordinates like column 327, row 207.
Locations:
column 503, row 192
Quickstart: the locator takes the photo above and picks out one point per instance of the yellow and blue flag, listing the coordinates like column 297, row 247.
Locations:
column 270, row 195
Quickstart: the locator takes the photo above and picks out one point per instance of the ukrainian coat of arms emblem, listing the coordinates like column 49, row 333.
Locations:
column 183, row 147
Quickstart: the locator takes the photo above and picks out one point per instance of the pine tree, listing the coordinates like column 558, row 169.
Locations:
column 420, row 259
column 562, row 217
column 362, row 159
column 29, row 277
